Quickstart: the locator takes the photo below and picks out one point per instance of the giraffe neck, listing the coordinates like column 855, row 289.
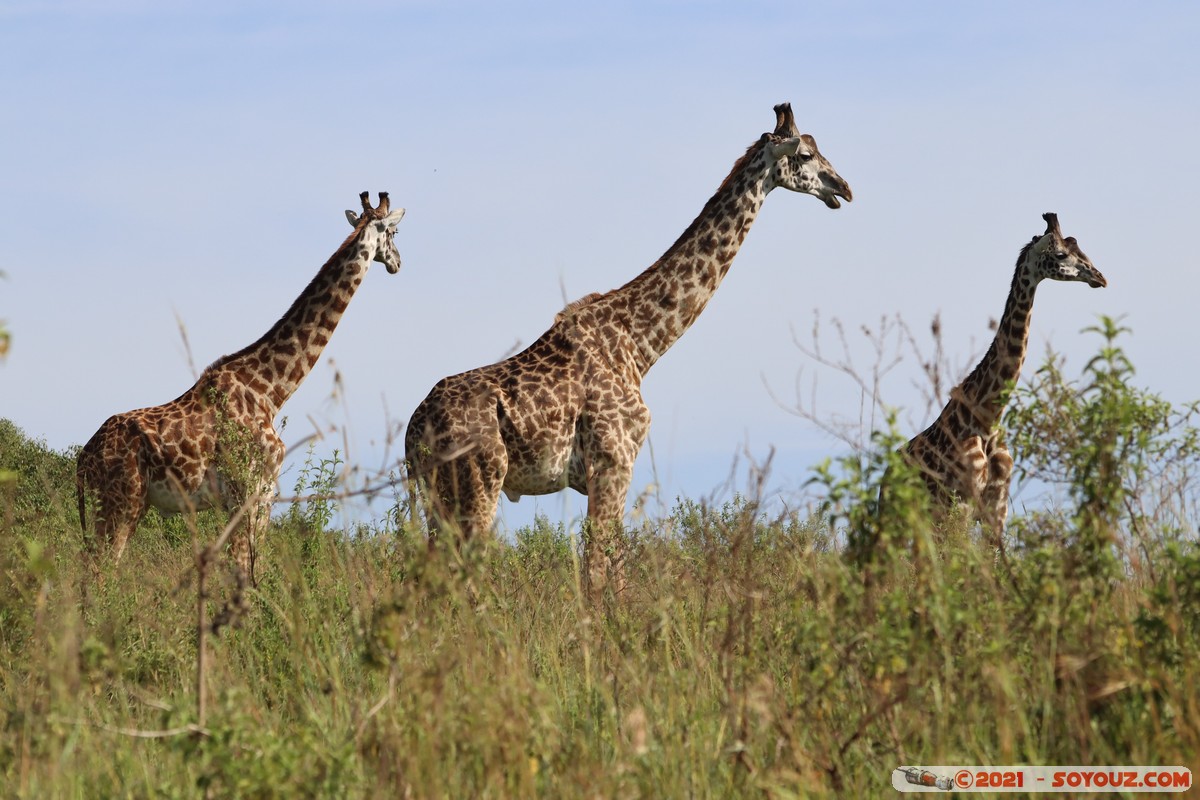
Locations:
column 981, row 397
column 275, row 365
column 660, row 304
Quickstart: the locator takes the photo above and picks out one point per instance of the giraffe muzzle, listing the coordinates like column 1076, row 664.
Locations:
column 835, row 187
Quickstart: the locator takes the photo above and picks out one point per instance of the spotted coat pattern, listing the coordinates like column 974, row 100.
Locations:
column 568, row 410
column 962, row 456
column 216, row 445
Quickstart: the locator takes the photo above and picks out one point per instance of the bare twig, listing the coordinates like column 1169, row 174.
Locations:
column 191, row 728
column 187, row 346
column 891, row 343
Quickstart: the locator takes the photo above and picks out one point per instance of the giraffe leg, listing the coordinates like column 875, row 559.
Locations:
column 994, row 497
column 129, row 512
column 256, row 508
column 111, row 474
column 604, row 548
column 241, row 552
column 119, row 527
column 262, row 476
column 610, row 446
column 987, row 469
column 465, row 491
column 244, row 540
column 467, row 498
column 973, row 465
column 116, row 520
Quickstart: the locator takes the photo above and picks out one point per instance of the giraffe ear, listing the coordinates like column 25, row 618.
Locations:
column 350, row 215
column 787, row 147
column 392, row 219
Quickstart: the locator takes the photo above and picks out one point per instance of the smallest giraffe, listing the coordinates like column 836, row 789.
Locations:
column 962, row 455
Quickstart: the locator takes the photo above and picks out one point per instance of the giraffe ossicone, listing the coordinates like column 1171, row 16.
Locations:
column 962, row 456
column 568, row 411
column 216, row 444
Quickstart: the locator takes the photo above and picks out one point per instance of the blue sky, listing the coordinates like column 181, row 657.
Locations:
column 193, row 160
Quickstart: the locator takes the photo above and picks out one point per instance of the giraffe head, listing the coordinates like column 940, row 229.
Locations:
column 798, row 165
column 379, row 229
column 1051, row 256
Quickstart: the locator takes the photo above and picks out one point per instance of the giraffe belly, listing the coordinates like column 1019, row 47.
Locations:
column 173, row 496
column 550, row 473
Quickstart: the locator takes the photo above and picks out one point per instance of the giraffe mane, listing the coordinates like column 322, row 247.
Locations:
column 575, row 305
column 751, row 151
column 320, row 276
column 1025, row 250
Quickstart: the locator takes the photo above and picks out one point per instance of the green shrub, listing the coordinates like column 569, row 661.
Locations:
column 1124, row 455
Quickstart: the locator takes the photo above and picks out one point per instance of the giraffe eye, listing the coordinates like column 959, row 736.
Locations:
column 1061, row 255
column 804, row 156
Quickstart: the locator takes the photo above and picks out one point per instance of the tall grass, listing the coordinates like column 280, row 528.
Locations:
column 754, row 656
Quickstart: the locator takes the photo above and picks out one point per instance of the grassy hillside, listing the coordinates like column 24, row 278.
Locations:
column 754, row 657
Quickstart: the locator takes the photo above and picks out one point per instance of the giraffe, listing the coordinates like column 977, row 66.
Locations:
column 216, row 444
column 962, row 454
column 568, row 411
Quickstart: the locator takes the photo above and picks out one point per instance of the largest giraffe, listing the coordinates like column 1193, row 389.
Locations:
column 216, row 444
column 962, row 454
column 568, row 410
